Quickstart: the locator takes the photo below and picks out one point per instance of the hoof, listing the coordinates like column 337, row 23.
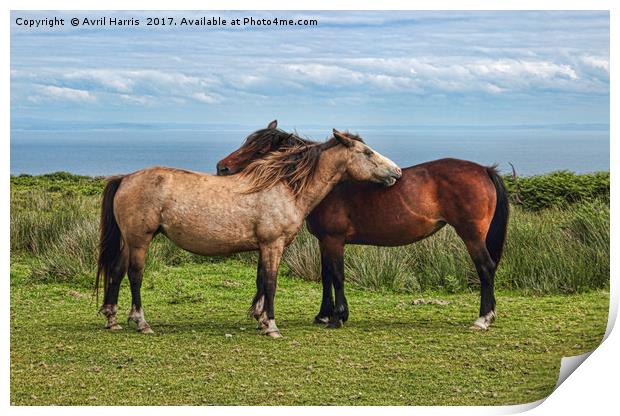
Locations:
column 484, row 322
column 270, row 329
column 274, row 334
column 114, row 327
column 334, row 324
column 264, row 323
column 479, row 326
column 321, row 319
column 146, row 330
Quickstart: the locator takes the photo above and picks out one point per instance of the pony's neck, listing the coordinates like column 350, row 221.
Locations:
column 331, row 168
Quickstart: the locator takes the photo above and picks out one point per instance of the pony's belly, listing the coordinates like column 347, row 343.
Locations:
column 396, row 236
column 207, row 241
column 215, row 248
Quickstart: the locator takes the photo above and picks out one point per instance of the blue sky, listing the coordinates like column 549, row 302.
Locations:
column 353, row 69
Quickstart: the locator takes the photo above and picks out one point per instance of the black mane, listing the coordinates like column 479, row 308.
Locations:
column 274, row 139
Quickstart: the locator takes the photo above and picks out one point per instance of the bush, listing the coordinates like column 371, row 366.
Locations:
column 555, row 244
column 303, row 257
column 72, row 257
column 59, row 182
column 554, row 250
column 38, row 218
column 558, row 189
column 377, row 268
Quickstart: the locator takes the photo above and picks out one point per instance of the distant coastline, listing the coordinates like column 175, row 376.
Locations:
column 52, row 125
column 532, row 150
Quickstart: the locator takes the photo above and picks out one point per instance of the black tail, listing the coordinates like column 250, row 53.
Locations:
column 497, row 231
column 110, row 241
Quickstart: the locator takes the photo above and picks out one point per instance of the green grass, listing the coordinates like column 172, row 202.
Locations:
column 552, row 302
column 391, row 352
column 552, row 250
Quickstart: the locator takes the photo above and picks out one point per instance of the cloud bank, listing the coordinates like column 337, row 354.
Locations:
column 377, row 67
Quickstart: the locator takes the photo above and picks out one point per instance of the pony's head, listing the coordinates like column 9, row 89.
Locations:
column 366, row 164
column 256, row 146
column 296, row 166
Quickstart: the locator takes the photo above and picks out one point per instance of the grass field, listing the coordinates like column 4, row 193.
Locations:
column 563, row 248
column 552, row 301
column 391, row 352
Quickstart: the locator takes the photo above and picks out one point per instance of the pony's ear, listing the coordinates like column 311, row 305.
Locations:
column 273, row 124
column 342, row 138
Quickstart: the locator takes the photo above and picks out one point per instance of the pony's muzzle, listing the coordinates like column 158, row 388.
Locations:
column 222, row 170
column 392, row 176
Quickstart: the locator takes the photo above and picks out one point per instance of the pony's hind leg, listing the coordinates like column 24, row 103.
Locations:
column 332, row 262
column 110, row 298
column 137, row 257
column 327, row 303
column 485, row 266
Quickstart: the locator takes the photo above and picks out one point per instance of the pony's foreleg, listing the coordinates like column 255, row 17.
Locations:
column 485, row 266
column 327, row 303
column 110, row 298
column 332, row 257
column 137, row 258
column 270, row 256
column 258, row 302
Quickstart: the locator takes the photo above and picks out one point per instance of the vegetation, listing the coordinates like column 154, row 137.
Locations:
column 558, row 189
column 407, row 341
column 562, row 249
column 550, row 251
column 60, row 182
column 393, row 350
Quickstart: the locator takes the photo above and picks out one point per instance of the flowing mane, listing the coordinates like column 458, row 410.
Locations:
column 295, row 165
column 270, row 139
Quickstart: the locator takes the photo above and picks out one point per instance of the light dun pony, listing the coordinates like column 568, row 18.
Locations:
column 262, row 209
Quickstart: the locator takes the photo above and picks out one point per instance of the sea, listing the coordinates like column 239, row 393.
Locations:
column 531, row 150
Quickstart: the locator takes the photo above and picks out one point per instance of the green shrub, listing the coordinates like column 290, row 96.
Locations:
column 557, row 250
column 38, row 218
column 379, row 268
column 59, row 182
column 303, row 257
column 558, row 189
column 72, row 257
column 441, row 261
column 558, row 241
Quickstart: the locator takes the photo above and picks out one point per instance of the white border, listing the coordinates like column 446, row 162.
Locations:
column 592, row 388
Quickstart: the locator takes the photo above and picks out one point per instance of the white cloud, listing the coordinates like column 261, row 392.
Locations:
column 357, row 58
column 114, row 80
column 324, row 74
column 204, row 98
column 429, row 74
column 137, row 99
column 493, row 89
column 596, row 62
column 134, row 83
column 67, row 94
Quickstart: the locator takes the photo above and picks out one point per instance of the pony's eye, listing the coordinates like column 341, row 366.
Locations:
column 368, row 152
